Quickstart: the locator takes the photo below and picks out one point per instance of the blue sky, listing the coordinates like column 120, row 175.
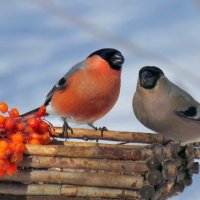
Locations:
column 39, row 42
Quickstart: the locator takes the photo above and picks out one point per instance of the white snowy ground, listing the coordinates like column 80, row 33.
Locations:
column 40, row 40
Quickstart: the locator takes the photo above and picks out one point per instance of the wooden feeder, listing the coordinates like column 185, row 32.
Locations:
column 95, row 170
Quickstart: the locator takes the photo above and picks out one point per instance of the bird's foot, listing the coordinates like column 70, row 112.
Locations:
column 102, row 129
column 92, row 126
column 66, row 128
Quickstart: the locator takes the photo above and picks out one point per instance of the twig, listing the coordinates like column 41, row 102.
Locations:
column 122, row 136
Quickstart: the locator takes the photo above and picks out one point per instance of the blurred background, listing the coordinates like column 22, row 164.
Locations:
column 40, row 40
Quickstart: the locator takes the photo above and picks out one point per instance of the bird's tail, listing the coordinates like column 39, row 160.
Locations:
column 37, row 112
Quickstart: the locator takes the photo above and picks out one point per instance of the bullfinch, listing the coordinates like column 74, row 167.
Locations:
column 87, row 91
column 163, row 107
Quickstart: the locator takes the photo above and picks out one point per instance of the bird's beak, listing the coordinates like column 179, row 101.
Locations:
column 117, row 59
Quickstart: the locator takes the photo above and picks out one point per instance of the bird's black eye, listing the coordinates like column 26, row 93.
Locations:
column 147, row 74
column 61, row 82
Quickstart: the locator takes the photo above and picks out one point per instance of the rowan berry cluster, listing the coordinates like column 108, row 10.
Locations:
column 15, row 132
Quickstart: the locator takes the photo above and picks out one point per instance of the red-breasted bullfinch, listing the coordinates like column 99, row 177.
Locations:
column 88, row 90
column 165, row 108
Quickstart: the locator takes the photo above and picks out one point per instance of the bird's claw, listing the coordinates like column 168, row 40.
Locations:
column 65, row 132
column 66, row 129
column 102, row 129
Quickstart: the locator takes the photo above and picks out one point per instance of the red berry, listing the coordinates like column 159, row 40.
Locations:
column 9, row 124
column 29, row 130
column 4, row 149
column 16, row 133
column 33, row 122
column 14, row 113
column 20, row 126
column 8, row 151
column 41, row 112
column 17, row 137
column 2, row 119
column 16, row 158
column 45, row 139
column 12, row 147
column 2, row 172
column 34, row 141
column 3, row 155
column 3, row 107
column 3, row 145
column 4, row 164
column 11, row 169
column 34, row 136
column 43, row 127
column 19, row 147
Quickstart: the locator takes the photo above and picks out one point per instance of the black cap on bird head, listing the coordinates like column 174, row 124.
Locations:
column 149, row 75
column 112, row 56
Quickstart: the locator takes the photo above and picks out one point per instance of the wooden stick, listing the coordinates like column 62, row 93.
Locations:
column 65, row 190
column 48, row 197
column 154, row 177
column 90, row 134
column 170, row 169
column 107, row 165
column 31, row 189
column 95, row 192
column 96, row 144
column 168, row 187
column 161, row 191
column 99, row 152
column 147, row 192
column 197, row 153
column 85, row 179
column 194, row 169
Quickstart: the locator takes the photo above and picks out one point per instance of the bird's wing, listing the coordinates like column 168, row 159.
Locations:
column 62, row 83
column 186, row 105
column 192, row 112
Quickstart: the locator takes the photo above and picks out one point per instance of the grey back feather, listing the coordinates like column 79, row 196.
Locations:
column 187, row 106
column 62, row 83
